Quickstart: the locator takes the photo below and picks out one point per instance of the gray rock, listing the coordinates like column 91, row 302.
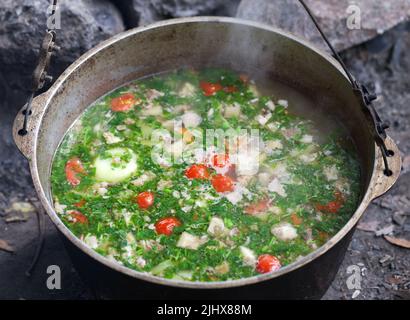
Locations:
column 399, row 218
column 84, row 23
column 142, row 12
column 377, row 16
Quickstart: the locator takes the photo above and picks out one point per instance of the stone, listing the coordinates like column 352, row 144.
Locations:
column 399, row 218
column 376, row 17
column 385, row 260
column 385, row 231
column 142, row 12
column 84, row 24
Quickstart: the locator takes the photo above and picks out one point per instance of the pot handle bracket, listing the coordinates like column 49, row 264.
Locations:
column 387, row 171
column 25, row 142
column 382, row 182
column 377, row 125
column 388, row 159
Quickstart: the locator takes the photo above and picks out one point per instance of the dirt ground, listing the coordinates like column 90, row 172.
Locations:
column 385, row 268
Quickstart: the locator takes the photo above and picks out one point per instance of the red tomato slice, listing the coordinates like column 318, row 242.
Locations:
column 123, row 103
column 78, row 217
column 145, row 199
column 222, row 183
column 73, row 168
column 80, row 203
column 332, row 206
column 296, row 220
column 220, row 160
column 209, row 89
column 267, row 263
column 258, row 207
column 167, row 225
column 197, row 171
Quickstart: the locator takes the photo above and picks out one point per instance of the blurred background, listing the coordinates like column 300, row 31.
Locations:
column 373, row 37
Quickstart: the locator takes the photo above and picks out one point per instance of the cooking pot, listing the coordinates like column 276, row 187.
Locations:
column 202, row 42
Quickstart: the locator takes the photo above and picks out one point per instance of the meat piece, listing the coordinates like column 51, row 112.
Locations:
column 307, row 138
column 271, row 106
column 189, row 241
column 232, row 111
column 290, row 132
column 284, row 232
column 258, row 207
column 222, row 269
column 187, row 90
column 152, row 110
column 60, row 208
column 191, row 119
column 237, row 194
column 91, row 241
column 110, row 138
column 277, row 187
column 331, row 173
column 141, row 262
column 216, row 227
column 283, row 103
column 308, row 158
column 272, row 145
column 248, row 256
column 146, row 176
column 153, row 94
column 247, row 163
column 263, row 119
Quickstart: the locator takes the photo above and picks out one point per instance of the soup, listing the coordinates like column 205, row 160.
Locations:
column 203, row 176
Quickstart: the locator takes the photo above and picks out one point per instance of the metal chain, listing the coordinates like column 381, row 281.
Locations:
column 365, row 97
column 40, row 74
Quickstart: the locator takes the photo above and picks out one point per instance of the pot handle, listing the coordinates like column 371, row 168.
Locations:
column 382, row 181
column 26, row 143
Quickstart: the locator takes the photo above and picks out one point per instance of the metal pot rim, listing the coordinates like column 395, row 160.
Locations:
column 372, row 190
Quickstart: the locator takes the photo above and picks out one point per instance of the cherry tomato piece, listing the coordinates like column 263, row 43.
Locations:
column 296, row 220
column 145, row 199
column 73, row 168
column 78, row 217
column 123, row 103
column 267, row 263
column 197, row 171
column 209, row 89
column 222, row 183
column 80, row 203
column 220, row 160
column 332, row 206
column 167, row 225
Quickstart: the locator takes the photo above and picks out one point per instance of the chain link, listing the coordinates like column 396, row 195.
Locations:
column 364, row 96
